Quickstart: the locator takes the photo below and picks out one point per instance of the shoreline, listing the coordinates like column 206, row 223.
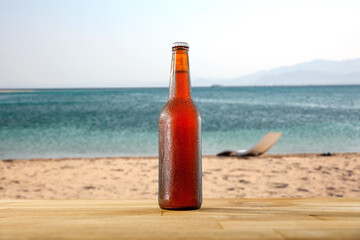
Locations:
column 269, row 155
column 266, row 176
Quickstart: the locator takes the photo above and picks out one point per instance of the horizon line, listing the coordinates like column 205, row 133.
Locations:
column 208, row 86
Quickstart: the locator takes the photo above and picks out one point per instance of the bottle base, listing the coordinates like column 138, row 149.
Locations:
column 180, row 208
column 173, row 205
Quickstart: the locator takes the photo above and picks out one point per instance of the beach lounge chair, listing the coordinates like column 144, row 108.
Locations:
column 261, row 147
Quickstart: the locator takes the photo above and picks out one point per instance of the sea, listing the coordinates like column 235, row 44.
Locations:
column 59, row 123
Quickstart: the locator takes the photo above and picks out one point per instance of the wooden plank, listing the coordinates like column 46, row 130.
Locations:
column 328, row 218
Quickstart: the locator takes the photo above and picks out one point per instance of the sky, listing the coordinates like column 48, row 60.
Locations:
column 64, row 44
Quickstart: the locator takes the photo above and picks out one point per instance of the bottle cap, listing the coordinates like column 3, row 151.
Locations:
column 180, row 44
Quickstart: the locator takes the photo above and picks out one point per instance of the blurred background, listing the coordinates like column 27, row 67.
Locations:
column 89, row 78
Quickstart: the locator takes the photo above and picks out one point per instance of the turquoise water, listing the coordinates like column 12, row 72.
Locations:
column 123, row 122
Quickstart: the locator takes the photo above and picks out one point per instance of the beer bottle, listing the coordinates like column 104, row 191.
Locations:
column 180, row 172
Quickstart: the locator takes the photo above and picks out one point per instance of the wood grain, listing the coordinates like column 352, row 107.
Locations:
column 316, row 218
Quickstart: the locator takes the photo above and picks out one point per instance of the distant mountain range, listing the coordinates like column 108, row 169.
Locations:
column 318, row 72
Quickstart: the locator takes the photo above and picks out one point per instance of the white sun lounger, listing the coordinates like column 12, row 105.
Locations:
column 261, row 147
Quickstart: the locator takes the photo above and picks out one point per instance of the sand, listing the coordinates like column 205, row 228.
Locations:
column 277, row 176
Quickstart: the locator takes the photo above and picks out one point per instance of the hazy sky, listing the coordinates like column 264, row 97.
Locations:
column 128, row 43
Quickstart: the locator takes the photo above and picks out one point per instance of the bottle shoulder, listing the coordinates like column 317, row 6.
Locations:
column 179, row 107
column 179, row 103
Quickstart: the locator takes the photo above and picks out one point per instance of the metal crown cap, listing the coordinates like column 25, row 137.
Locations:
column 180, row 44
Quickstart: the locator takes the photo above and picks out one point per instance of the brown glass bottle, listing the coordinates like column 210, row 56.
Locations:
column 180, row 185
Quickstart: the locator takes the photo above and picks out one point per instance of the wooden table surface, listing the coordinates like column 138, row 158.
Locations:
column 327, row 218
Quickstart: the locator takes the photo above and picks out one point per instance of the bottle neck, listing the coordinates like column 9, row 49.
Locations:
column 180, row 74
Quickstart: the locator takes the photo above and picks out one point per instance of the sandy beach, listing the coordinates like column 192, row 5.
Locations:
column 296, row 175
